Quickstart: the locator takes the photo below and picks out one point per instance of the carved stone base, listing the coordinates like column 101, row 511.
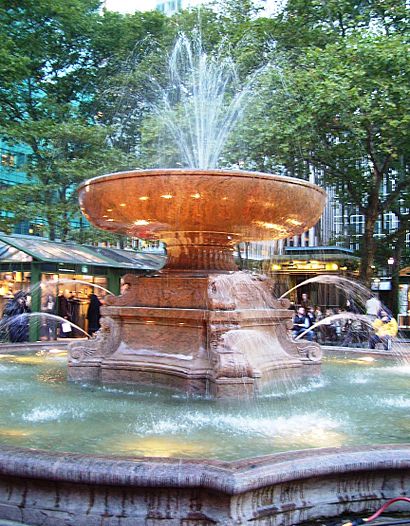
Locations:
column 222, row 335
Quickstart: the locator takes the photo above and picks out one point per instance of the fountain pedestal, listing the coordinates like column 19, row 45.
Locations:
column 200, row 325
column 222, row 334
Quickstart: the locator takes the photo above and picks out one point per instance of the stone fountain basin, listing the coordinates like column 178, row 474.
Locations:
column 231, row 206
column 42, row 488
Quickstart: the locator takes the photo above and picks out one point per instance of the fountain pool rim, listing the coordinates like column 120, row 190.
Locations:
column 231, row 477
column 293, row 488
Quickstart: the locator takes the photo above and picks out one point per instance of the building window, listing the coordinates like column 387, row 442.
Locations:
column 8, row 159
column 357, row 224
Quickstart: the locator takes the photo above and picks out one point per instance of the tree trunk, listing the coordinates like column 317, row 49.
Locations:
column 369, row 245
column 368, row 250
column 51, row 230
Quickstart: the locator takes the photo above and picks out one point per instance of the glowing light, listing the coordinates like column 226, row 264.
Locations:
column 294, row 222
column 271, row 226
column 123, row 204
column 196, row 196
column 143, row 198
column 150, row 322
column 110, row 220
column 141, row 222
column 167, row 196
column 276, row 267
column 15, row 433
column 109, row 209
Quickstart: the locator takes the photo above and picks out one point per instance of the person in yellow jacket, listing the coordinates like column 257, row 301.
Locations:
column 385, row 328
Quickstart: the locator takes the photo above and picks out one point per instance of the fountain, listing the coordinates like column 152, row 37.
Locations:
column 199, row 325
column 93, row 454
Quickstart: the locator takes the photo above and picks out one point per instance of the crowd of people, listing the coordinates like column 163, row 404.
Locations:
column 15, row 324
column 341, row 326
column 337, row 326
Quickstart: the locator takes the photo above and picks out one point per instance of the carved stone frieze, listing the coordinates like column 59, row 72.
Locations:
column 310, row 351
column 226, row 361
column 104, row 343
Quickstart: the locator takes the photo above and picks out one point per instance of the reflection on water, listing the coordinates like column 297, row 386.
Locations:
column 163, row 447
column 353, row 401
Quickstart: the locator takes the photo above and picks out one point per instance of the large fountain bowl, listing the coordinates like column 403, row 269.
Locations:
column 228, row 206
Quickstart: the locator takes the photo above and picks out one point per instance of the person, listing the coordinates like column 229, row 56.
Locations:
column 93, row 314
column 311, row 316
column 300, row 324
column 373, row 307
column 305, row 302
column 385, row 328
column 74, row 303
column 49, row 329
column 17, row 324
column 321, row 330
column 351, row 306
column 329, row 327
column 64, row 311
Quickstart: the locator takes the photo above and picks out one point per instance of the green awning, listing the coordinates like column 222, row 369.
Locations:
column 17, row 248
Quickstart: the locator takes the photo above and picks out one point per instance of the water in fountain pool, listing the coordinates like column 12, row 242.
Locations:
column 341, row 406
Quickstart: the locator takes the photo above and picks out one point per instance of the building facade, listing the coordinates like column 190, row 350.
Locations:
column 13, row 171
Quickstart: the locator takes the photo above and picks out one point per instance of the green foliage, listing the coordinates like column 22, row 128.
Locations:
column 337, row 100
column 75, row 86
column 57, row 53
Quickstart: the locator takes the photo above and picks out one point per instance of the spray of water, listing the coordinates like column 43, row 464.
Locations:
column 17, row 320
column 348, row 285
column 75, row 281
column 203, row 102
column 342, row 316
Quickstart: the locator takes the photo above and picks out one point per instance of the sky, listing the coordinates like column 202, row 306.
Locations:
column 129, row 6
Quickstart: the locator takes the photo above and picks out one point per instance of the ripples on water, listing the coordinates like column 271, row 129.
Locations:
column 353, row 401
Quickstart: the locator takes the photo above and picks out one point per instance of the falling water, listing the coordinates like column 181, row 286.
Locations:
column 349, row 286
column 203, row 103
column 6, row 323
column 45, row 284
column 342, row 316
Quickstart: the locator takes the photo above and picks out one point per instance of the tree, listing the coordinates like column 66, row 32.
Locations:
column 339, row 103
column 55, row 52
